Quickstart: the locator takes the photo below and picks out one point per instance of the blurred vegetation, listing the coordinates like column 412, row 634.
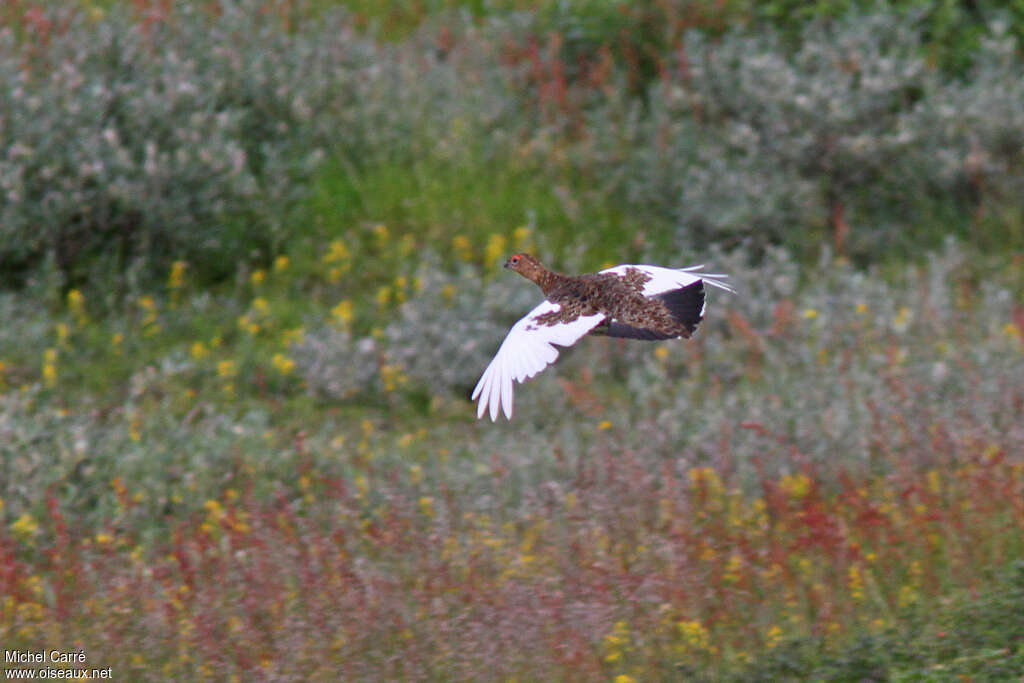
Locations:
column 584, row 122
column 249, row 257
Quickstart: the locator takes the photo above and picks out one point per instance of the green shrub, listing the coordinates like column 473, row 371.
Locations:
column 179, row 139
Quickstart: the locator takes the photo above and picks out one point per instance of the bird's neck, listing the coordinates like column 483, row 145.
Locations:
column 546, row 279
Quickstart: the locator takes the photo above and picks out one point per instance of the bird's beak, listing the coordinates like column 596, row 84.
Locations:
column 508, row 263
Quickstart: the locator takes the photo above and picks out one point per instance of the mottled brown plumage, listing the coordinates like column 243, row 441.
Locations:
column 619, row 297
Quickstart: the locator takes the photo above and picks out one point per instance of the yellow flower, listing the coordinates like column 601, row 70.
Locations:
column 392, row 376
column 76, row 302
column 401, row 285
column 281, row 263
column 336, row 251
column 427, row 506
column 25, row 527
column 293, row 336
column 380, row 231
column 695, row 635
column 902, row 319
column 383, row 295
column 661, row 353
column 177, row 276
column 908, row 596
column 199, row 350
column 283, row 364
column 795, row 486
column 448, row 292
column 214, row 510
column 521, row 237
column 226, row 368
column 117, row 339
column 257, row 277
column 861, row 308
column 463, row 249
column 705, row 477
column 135, row 428
column 732, row 569
column 261, row 305
column 406, row 246
column 604, row 424
column 616, row 641
column 496, row 247
column 104, row 539
column 856, row 583
column 623, row 678
column 50, row 367
column 774, row 636
column 810, row 314
column 62, row 334
column 343, row 312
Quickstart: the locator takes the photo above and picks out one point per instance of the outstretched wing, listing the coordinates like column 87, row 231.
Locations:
column 527, row 349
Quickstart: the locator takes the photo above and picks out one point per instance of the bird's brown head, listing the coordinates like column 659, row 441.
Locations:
column 524, row 264
column 530, row 268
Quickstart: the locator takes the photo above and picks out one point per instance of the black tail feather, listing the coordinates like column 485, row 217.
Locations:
column 686, row 304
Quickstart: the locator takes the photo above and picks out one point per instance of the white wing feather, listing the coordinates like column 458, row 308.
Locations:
column 527, row 349
column 665, row 279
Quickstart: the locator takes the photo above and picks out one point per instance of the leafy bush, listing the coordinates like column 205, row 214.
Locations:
column 130, row 140
column 851, row 137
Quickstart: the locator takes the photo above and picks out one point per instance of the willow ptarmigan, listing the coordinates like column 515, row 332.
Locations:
column 631, row 301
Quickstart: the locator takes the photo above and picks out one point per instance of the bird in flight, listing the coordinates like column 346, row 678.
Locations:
column 628, row 301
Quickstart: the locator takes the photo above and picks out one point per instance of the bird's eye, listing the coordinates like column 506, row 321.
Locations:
column 515, row 260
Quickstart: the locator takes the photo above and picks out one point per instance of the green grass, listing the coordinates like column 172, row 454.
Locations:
column 434, row 201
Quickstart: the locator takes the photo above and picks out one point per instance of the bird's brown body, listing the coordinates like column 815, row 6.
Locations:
column 620, row 298
column 632, row 301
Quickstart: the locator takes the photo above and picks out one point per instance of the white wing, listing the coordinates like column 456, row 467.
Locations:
column 527, row 349
column 666, row 279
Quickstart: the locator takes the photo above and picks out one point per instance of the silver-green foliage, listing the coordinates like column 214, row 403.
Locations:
column 758, row 142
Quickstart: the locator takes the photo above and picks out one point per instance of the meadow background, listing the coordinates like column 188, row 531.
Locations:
column 250, row 271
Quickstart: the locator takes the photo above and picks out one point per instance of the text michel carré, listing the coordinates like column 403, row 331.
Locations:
column 43, row 657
